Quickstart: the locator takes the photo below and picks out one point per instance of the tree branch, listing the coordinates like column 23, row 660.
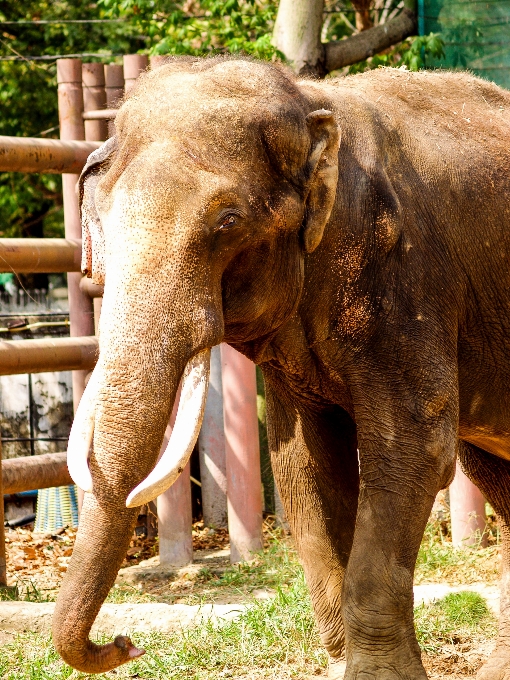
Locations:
column 340, row 53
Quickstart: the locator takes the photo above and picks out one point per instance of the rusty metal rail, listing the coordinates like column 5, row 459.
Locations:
column 30, row 154
column 35, row 472
column 55, row 354
column 40, row 255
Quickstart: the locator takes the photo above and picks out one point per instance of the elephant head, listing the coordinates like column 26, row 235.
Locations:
column 197, row 217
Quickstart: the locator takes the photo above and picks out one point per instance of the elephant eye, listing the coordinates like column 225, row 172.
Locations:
column 228, row 221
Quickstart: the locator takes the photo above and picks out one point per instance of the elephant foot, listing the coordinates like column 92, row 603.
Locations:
column 336, row 669
column 377, row 668
column 497, row 666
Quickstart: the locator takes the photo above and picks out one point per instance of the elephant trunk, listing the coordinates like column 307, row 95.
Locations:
column 101, row 546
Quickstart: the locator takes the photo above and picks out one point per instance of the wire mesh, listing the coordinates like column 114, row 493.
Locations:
column 476, row 36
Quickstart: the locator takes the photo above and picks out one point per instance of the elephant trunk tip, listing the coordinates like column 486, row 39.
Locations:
column 101, row 658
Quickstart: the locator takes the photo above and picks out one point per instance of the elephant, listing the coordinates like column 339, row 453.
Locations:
column 352, row 237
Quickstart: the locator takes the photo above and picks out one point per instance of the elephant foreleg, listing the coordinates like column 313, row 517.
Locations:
column 407, row 441
column 492, row 476
column 314, row 457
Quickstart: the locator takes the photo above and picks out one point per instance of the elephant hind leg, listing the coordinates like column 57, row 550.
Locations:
column 492, row 476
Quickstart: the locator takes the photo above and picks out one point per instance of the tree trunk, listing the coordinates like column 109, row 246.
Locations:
column 297, row 33
column 340, row 53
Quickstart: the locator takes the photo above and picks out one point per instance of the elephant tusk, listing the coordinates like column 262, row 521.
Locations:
column 80, row 438
column 195, row 383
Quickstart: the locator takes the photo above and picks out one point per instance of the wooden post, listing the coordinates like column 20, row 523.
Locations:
column 174, row 514
column 114, row 84
column 94, row 99
column 158, row 60
column 70, row 109
column 211, row 447
column 244, row 484
column 3, row 560
column 134, row 64
column 467, row 511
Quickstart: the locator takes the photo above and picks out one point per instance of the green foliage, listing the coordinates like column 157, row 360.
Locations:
column 410, row 54
column 455, row 617
column 201, row 27
column 31, row 205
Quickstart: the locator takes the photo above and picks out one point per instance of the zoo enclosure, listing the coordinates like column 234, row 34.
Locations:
column 228, row 442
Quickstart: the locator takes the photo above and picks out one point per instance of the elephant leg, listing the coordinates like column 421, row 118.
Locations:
column 492, row 476
column 407, row 438
column 315, row 464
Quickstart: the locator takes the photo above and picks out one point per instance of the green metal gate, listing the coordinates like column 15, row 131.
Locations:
column 476, row 35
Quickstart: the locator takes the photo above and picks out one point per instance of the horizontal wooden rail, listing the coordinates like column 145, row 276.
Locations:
column 99, row 114
column 40, row 255
column 35, row 472
column 31, row 154
column 56, row 354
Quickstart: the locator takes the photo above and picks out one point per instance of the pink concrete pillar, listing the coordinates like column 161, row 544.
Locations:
column 174, row 514
column 70, row 109
column 244, row 484
column 134, row 64
column 211, row 448
column 467, row 511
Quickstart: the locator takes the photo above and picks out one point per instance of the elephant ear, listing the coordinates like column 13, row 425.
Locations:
column 321, row 174
column 92, row 258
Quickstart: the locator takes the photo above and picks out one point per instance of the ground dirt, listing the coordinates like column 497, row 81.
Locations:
column 37, row 565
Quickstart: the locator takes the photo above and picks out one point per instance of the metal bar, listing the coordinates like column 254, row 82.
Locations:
column 31, row 424
column 40, row 255
column 3, row 561
column 100, row 114
column 35, row 472
column 34, row 326
column 39, row 356
column 30, row 154
column 93, row 290
column 35, row 439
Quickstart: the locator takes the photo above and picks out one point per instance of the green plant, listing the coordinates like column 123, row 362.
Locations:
column 451, row 619
column 201, row 27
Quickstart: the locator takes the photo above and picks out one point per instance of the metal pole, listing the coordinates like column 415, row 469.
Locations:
column 70, row 109
column 3, row 560
column 244, row 484
column 174, row 514
column 467, row 511
column 211, row 447
column 134, row 64
column 30, row 154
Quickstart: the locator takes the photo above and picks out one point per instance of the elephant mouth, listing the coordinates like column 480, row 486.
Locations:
column 190, row 413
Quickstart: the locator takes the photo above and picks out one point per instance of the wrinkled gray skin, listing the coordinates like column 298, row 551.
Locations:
column 371, row 283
